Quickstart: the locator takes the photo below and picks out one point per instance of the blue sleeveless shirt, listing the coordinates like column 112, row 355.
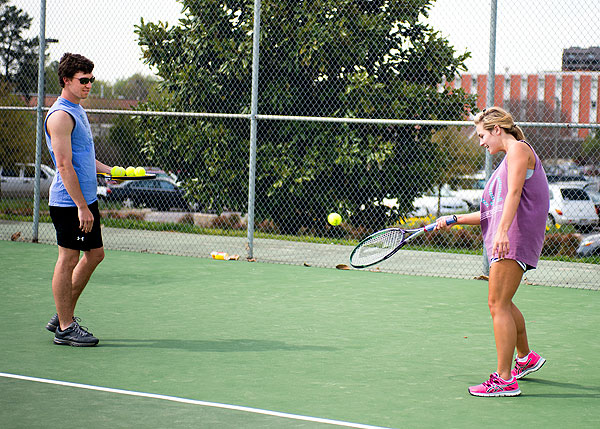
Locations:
column 84, row 156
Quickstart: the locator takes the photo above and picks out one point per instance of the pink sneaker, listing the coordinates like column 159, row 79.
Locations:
column 495, row 386
column 533, row 363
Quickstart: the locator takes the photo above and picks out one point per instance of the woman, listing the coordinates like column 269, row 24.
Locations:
column 512, row 216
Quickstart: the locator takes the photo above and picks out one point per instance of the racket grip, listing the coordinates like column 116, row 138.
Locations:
column 449, row 221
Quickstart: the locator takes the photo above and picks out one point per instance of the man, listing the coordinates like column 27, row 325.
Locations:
column 73, row 200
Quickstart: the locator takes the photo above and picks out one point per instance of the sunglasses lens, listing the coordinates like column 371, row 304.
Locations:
column 86, row 80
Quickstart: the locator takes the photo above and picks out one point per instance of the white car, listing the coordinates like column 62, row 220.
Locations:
column 571, row 205
column 18, row 180
column 101, row 188
column 472, row 190
column 446, row 203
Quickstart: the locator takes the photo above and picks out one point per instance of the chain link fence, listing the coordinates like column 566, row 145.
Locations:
column 360, row 107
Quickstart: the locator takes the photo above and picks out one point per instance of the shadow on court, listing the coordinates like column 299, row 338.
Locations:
column 222, row 346
column 557, row 387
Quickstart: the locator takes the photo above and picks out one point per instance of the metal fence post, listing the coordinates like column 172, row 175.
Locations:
column 40, row 121
column 253, row 113
column 490, row 93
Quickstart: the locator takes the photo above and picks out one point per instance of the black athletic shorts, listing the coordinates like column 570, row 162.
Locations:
column 68, row 234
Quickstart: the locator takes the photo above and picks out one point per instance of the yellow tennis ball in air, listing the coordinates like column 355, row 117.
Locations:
column 334, row 219
column 130, row 171
column 140, row 171
column 117, row 171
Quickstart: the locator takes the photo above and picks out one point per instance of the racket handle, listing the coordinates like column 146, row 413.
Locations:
column 450, row 221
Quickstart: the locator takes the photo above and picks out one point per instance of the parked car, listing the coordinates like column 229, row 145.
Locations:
column 589, row 246
column 571, row 205
column 449, row 203
column 161, row 174
column 595, row 196
column 159, row 193
column 572, row 178
column 592, row 190
column 18, row 180
column 470, row 189
column 102, row 188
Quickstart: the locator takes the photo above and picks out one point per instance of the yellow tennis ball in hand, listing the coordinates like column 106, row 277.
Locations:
column 140, row 171
column 130, row 171
column 334, row 219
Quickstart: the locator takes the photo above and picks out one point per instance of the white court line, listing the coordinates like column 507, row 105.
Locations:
column 193, row 402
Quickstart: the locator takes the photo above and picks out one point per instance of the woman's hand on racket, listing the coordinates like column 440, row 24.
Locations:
column 473, row 218
column 442, row 222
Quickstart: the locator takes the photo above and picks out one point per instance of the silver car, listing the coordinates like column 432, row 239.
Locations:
column 589, row 246
column 18, row 180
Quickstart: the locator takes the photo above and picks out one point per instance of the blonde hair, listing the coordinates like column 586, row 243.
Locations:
column 493, row 116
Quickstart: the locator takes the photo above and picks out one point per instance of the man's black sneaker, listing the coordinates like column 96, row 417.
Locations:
column 74, row 335
column 53, row 323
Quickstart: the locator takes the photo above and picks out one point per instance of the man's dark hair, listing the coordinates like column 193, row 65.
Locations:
column 71, row 64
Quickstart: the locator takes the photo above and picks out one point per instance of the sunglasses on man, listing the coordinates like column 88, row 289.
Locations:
column 85, row 80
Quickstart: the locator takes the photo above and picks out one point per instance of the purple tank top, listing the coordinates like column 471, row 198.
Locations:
column 527, row 231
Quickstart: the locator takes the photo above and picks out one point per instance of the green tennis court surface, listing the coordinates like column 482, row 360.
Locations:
column 351, row 346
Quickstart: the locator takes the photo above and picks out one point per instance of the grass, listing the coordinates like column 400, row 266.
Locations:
column 22, row 210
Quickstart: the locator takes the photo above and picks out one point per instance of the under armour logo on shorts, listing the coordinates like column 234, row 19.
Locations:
column 80, row 238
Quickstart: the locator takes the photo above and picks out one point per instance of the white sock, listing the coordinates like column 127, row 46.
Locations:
column 509, row 380
column 523, row 359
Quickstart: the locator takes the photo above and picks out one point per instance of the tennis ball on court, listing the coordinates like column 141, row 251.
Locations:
column 140, row 171
column 334, row 219
column 130, row 171
column 117, row 171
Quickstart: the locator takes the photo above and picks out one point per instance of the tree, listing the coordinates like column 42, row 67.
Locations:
column 13, row 22
column 125, row 149
column 590, row 149
column 342, row 58
column 15, row 49
column 52, row 85
column 26, row 76
column 459, row 155
column 19, row 56
column 135, row 87
column 17, row 130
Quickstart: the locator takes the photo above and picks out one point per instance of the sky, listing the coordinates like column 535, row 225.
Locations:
column 531, row 34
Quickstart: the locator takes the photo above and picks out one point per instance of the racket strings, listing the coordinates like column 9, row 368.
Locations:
column 377, row 247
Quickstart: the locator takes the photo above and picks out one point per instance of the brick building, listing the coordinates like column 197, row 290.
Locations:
column 581, row 59
column 542, row 97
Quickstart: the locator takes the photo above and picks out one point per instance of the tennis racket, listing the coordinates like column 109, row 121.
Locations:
column 109, row 177
column 383, row 244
